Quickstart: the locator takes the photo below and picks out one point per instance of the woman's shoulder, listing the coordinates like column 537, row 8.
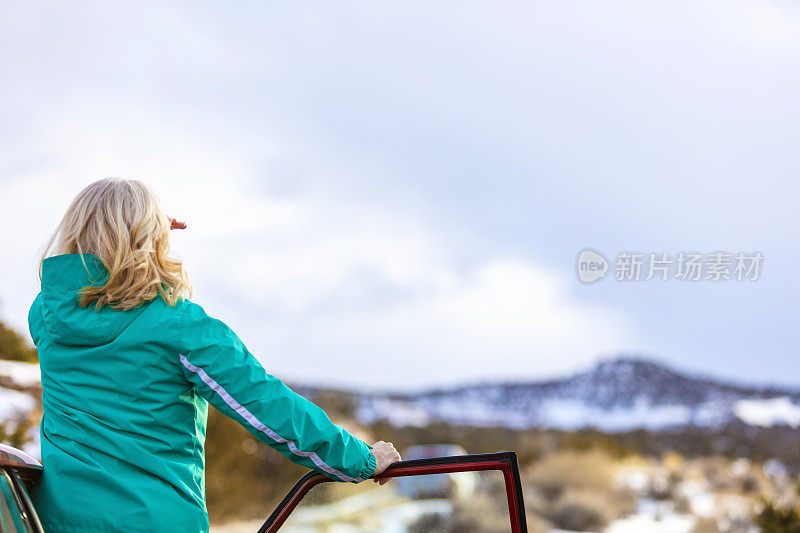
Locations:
column 173, row 316
column 169, row 323
column 191, row 319
column 188, row 310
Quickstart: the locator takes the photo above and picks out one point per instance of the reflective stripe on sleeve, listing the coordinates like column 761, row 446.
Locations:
column 256, row 423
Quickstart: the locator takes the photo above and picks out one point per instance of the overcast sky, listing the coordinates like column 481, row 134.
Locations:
column 394, row 195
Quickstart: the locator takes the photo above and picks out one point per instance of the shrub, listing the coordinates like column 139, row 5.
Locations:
column 581, row 510
column 774, row 519
column 15, row 432
column 15, row 347
column 592, row 471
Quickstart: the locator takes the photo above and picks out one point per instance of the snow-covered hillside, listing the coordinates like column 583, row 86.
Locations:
column 616, row 395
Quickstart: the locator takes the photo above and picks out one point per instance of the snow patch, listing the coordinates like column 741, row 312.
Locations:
column 653, row 517
column 23, row 374
column 570, row 414
column 14, row 404
column 768, row 412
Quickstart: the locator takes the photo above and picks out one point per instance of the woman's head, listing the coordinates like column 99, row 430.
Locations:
column 121, row 221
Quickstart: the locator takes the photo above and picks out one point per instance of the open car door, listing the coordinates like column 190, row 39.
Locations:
column 476, row 493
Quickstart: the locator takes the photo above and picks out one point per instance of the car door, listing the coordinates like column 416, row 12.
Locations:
column 17, row 514
column 479, row 493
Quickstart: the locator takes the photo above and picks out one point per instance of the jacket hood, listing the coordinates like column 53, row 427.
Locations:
column 66, row 322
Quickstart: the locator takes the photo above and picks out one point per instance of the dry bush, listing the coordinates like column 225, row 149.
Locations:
column 428, row 523
column 15, row 347
column 592, row 471
column 480, row 513
column 16, row 432
column 716, row 470
column 577, row 490
column 752, row 484
column 581, row 510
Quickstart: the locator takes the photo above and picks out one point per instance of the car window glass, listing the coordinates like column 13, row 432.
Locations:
column 461, row 501
column 10, row 508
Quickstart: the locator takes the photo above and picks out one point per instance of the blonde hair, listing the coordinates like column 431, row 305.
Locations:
column 121, row 221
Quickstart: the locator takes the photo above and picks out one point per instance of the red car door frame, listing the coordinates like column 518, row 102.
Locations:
column 505, row 462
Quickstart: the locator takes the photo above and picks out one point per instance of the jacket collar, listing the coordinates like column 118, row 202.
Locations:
column 71, row 272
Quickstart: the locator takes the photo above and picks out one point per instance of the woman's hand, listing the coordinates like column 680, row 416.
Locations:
column 385, row 454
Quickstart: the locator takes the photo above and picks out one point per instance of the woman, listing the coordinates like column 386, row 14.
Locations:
column 129, row 365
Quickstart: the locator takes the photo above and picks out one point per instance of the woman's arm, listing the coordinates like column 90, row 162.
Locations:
column 226, row 374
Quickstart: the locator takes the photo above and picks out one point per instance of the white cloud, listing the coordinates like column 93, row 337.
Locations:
column 354, row 292
column 505, row 318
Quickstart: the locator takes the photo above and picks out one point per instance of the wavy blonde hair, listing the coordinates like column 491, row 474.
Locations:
column 121, row 221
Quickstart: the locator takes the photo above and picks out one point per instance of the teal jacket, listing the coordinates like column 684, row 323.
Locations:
column 125, row 397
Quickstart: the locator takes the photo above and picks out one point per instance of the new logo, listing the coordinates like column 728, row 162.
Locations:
column 591, row 266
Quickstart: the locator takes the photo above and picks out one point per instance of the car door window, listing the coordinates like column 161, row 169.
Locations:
column 475, row 493
column 12, row 514
column 460, row 501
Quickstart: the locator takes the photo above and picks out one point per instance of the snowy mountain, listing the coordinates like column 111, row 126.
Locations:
column 616, row 395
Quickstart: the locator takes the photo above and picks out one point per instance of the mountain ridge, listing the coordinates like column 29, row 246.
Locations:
column 623, row 393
